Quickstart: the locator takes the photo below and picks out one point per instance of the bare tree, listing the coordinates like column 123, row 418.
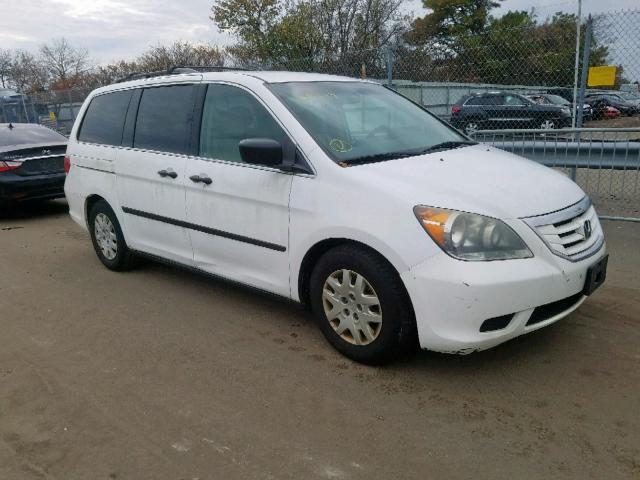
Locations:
column 64, row 63
column 161, row 57
column 6, row 60
column 27, row 73
column 106, row 74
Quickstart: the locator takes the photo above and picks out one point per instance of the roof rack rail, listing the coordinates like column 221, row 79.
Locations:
column 206, row 68
column 176, row 70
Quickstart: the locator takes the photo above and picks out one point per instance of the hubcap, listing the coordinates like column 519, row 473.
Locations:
column 471, row 128
column 106, row 236
column 352, row 307
column 547, row 125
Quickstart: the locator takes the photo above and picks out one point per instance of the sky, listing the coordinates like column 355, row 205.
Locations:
column 115, row 29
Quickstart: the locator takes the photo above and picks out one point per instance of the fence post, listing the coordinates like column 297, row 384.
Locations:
column 575, row 71
column 585, row 70
column 389, row 66
column 36, row 118
column 24, row 107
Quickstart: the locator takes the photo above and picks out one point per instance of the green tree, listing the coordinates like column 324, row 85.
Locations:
column 514, row 49
column 448, row 19
column 282, row 33
column 251, row 21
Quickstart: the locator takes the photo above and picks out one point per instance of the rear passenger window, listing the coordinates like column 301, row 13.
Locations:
column 231, row 114
column 104, row 121
column 165, row 117
column 482, row 101
column 514, row 101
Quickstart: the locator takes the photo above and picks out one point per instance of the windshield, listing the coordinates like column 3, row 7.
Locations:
column 355, row 121
column 557, row 100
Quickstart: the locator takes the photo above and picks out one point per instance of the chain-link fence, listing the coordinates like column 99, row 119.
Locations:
column 605, row 162
column 56, row 109
column 520, row 78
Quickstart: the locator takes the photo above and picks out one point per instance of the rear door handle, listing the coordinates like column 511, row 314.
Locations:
column 167, row 173
column 202, row 178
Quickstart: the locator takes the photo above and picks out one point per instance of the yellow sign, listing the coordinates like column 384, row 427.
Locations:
column 52, row 116
column 602, row 76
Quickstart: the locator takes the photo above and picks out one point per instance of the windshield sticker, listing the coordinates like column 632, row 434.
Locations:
column 340, row 146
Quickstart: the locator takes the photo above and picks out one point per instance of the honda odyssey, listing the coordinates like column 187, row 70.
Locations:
column 394, row 228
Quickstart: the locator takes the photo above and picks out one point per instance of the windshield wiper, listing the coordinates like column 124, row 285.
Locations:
column 447, row 146
column 381, row 157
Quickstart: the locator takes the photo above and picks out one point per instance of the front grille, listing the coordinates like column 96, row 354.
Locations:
column 545, row 312
column 573, row 233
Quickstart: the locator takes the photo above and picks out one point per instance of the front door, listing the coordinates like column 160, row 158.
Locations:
column 238, row 213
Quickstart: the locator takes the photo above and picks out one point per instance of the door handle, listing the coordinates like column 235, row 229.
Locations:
column 202, row 178
column 167, row 173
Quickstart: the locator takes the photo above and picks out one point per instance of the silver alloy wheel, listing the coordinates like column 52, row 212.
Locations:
column 352, row 307
column 548, row 125
column 471, row 128
column 106, row 237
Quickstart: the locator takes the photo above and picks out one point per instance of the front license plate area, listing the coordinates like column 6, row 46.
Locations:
column 596, row 275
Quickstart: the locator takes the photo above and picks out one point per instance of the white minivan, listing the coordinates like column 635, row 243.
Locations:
column 394, row 228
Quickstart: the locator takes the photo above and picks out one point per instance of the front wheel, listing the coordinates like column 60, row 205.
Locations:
column 107, row 238
column 361, row 305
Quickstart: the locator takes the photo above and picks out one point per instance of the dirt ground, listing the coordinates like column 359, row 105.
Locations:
column 163, row 374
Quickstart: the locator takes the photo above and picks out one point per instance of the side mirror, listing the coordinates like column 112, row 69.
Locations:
column 261, row 151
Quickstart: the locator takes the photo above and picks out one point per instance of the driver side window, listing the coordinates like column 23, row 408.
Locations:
column 230, row 115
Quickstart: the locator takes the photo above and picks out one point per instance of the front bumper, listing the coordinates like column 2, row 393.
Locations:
column 16, row 188
column 452, row 299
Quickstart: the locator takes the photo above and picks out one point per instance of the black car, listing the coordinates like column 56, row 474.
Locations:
column 601, row 100
column 31, row 163
column 502, row 110
column 552, row 99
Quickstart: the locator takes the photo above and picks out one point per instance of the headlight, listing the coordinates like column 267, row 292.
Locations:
column 566, row 111
column 468, row 236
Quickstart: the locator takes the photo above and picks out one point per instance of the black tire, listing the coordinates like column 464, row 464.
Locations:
column 397, row 334
column 124, row 258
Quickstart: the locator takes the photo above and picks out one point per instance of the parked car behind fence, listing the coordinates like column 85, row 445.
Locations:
column 621, row 101
column 551, row 99
column 496, row 110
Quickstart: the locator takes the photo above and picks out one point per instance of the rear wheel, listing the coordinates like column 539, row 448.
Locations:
column 548, row 124
column 107, row 238
column 361, row 305
column 471, row 127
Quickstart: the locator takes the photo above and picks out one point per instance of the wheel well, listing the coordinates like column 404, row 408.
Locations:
column 313, row 255
column 88, row 205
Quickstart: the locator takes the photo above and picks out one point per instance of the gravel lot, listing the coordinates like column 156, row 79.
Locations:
column 162, row 374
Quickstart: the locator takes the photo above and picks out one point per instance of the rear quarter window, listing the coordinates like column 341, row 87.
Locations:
column 165, row 119
column 104, row 121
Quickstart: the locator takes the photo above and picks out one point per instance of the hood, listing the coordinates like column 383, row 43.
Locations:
column 478, row 179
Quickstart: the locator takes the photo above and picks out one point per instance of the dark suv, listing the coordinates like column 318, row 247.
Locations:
column 502, row 110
